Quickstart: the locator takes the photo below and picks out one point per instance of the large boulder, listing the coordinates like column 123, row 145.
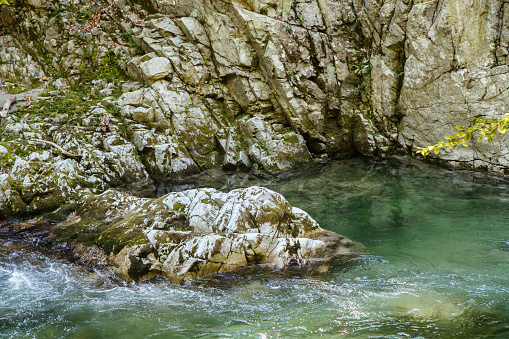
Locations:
column 191, row 234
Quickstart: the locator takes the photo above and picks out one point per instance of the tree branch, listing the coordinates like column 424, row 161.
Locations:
column 7, row 105
column 64, row 152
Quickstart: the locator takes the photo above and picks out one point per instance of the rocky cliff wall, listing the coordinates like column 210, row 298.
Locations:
column 267, row 84
column 436, row 65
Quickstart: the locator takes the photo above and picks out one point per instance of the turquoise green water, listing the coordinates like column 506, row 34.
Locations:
column 436, row 265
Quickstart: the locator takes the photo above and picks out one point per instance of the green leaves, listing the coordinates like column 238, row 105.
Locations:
column 363, row 68
column 486, row 128
column 291, row 74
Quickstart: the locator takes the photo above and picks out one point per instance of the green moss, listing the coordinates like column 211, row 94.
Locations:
column 70, row 104
column 6, row 161
column 14, row 208
column 110, row 69
column 291, row 138
column 49, row 202
column 77, row 233
column 115, row 238
column 61, row 213
column 78, row 100
column 207, row 201
column 16, row 89
column 178, row 207
column 46, row 92
column 16, row 148
column 112, row 236
column 93, row 230
column 293, row 249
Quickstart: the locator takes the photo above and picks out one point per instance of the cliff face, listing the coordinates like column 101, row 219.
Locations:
column 267, row 84
column 455, row 69
column 361, row 74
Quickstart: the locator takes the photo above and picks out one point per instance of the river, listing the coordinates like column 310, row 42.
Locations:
column 436, row 265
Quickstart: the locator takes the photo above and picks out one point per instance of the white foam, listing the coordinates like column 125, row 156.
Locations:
column 18, row 279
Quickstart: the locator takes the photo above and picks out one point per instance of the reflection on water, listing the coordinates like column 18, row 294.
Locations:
column 438, row 265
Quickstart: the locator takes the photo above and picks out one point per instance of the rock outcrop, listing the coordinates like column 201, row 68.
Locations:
column 229, row 85
column 239, row 85
column 191, row 234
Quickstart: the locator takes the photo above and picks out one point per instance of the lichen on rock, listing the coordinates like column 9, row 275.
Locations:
column 191, row 234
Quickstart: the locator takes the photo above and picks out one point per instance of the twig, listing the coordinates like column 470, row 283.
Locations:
column 7, row 105
column 64, row 152
column 29, row 101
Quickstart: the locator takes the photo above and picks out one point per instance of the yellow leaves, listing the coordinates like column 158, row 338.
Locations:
column 423, row 151
column 486, row 128
column 4, row 2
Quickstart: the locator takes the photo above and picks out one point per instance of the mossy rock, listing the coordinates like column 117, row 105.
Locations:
column 188, row 235
column 111, row 238
column 16, row 89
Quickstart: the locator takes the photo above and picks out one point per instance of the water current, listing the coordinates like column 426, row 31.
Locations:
column 436, row 265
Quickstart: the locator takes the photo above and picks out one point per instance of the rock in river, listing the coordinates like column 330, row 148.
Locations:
column 191, row 234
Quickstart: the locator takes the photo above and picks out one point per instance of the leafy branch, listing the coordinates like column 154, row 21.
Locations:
column 364, row 70
column 486, row 128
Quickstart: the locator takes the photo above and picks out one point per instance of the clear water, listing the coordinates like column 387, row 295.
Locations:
column 437, row 265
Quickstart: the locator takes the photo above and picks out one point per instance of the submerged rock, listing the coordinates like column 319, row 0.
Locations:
column 191, row 234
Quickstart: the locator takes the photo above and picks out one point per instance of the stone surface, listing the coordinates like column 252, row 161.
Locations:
column 438, row 65
column 256, row 85
column 156, row 68
column 195, row 233
column 16, row 64
column 36, row 180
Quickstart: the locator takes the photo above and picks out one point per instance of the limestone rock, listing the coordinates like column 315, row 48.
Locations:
column 61, row 84
column 3, row 151
column 336, row 78
column 451, row 77
column 163, row 155
column 275, row 152
column 16, row 64
column 438, row 65
column 195, row 233
column 41, row 181
column 155, row 69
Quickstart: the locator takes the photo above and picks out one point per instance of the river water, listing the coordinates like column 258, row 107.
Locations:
column 436, row 265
